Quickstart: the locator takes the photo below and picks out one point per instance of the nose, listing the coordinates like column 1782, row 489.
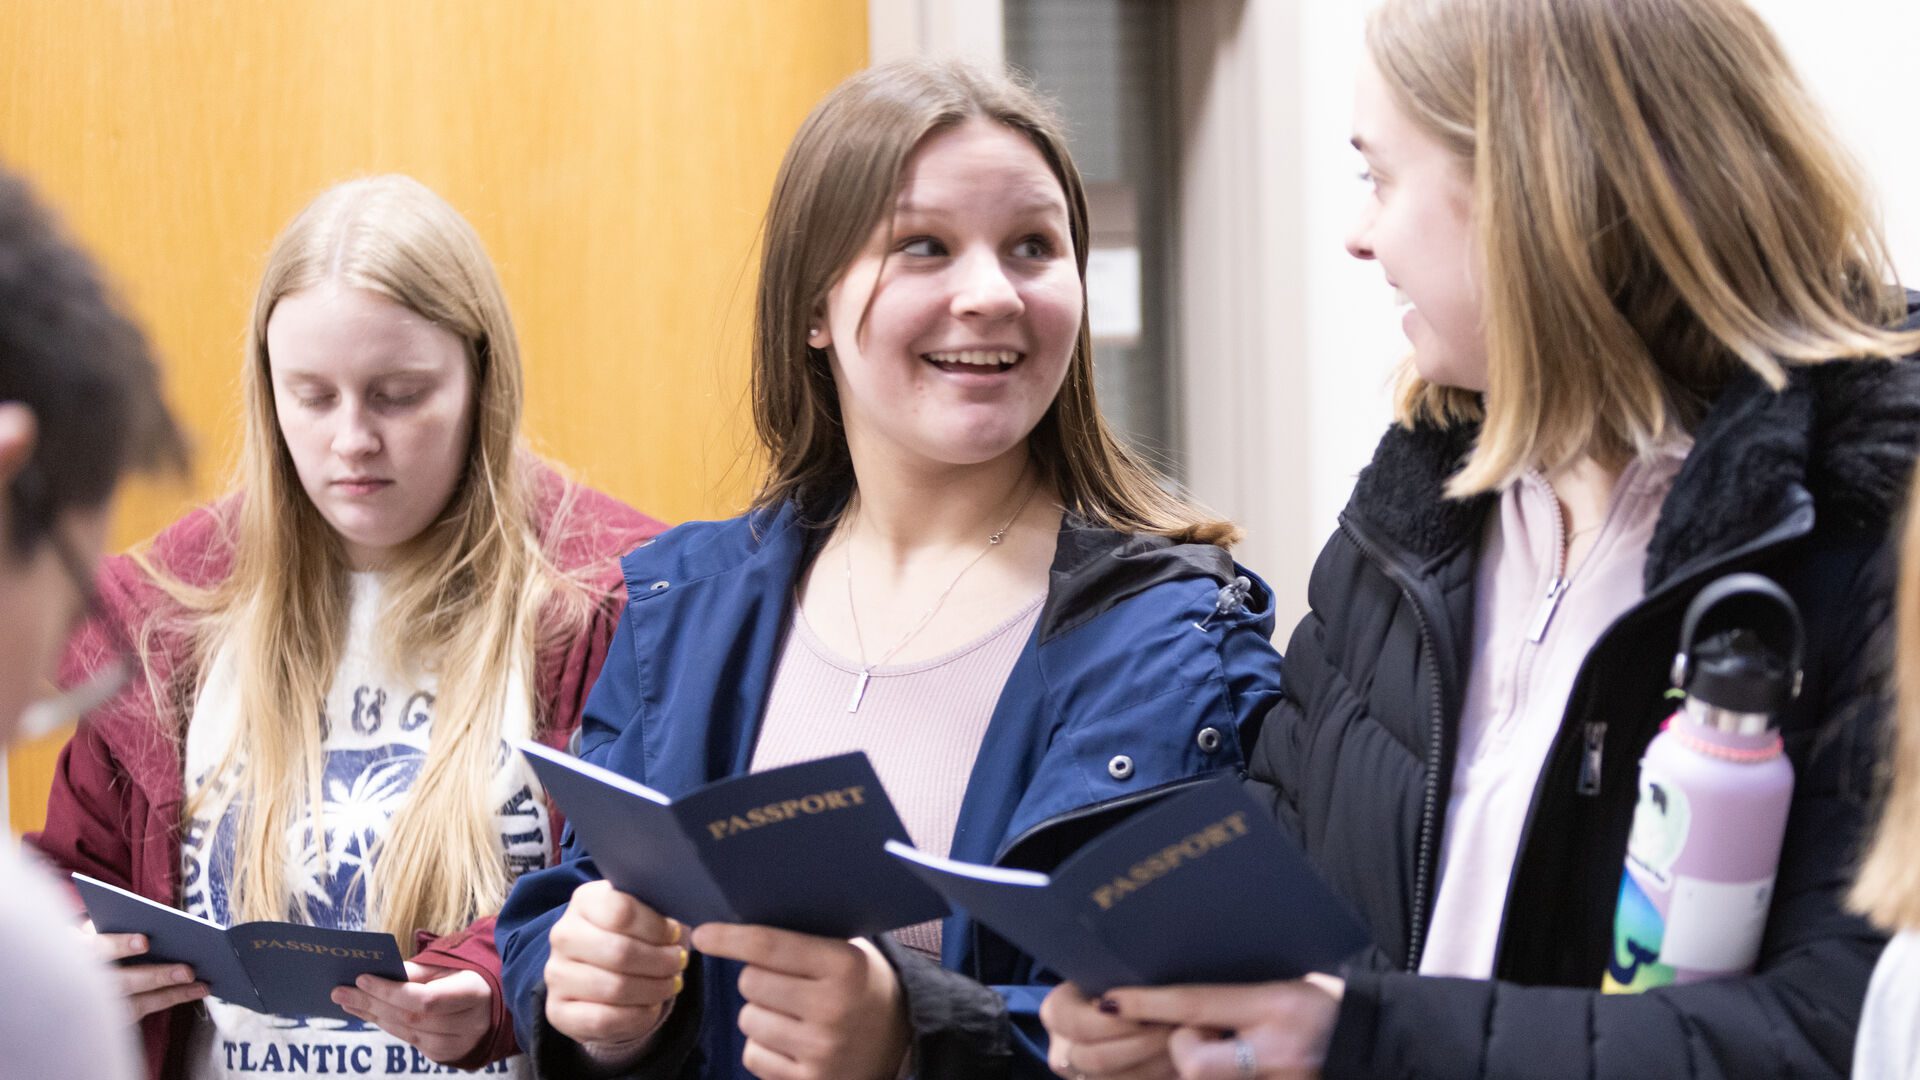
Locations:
column 355, row 438
column 1360, row 236
column 983, row 290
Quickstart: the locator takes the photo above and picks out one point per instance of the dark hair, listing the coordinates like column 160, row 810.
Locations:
column 68, row 353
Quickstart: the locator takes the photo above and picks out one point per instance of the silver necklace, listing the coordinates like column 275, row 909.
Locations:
column 866, row 669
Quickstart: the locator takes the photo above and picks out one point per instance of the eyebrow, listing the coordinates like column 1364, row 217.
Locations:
column 1036, row 204
column 302, row 375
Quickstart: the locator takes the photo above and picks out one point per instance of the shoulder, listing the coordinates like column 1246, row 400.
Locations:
column 580, row 526
column 197, row 550
column 1887, row 1045
column 69, row 994
column 1865, row 429
column 1097, row 570
column 696, row 550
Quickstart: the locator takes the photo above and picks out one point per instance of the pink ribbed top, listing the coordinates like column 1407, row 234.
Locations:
column 920, row 724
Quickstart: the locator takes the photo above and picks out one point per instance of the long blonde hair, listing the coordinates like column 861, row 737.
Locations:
column 1658, row 203
column 1888, row 889
column 835, row 186
column 465, row 598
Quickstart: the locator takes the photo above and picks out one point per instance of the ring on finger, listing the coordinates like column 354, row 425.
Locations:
column 1244, row 1065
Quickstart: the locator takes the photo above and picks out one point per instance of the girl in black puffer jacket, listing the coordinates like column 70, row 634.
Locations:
column 1651, row 346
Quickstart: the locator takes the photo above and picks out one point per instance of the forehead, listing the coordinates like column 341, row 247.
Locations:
column 1381, row 128
column 978, row 163
column 341, row 331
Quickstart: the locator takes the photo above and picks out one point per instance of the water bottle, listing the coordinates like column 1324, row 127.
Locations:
column 1714, row 792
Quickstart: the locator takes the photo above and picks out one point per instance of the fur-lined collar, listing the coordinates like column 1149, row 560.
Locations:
column 1842, row 433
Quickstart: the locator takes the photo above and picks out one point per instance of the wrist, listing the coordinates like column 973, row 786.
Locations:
column 623, row 1053
column 891, row 996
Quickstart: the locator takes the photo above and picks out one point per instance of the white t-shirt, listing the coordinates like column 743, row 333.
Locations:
column 378, row 723
column 63, row 1017
column 1889, row 1044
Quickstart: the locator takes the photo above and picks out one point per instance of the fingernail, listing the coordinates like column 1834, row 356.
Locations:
column 684, row 957
column 363, row 983
column 679, row 983
column 679, row 931
column 140, row 944
column 1109, row 1006
column 182, row 974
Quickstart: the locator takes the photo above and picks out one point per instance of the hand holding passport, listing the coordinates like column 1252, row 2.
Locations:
column 1202, row 887
column 282, row 968
column 800, row 847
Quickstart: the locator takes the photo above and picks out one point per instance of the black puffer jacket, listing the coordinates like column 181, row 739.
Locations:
column 1801, row 485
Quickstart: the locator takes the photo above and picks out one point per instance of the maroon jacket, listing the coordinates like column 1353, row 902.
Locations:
column 115, row 809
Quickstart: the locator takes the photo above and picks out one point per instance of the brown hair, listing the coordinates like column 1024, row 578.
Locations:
column 1658, row 203
column 834, row 188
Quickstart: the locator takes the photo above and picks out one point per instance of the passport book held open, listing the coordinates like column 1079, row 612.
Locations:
column 282, row 968
column 801, row 847
column 1202, row 887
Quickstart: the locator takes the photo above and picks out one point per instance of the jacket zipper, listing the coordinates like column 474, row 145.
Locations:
column 1594, row 732
column 1436, row 733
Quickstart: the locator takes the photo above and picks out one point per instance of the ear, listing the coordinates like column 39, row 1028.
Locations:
column 19, row 434
column 819, row 334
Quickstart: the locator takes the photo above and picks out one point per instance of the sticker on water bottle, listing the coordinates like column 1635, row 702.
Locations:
column 1661, row 822
column 1715, row 926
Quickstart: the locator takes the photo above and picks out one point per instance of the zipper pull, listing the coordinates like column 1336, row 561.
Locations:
column 1555, row 590
column 1590, row 757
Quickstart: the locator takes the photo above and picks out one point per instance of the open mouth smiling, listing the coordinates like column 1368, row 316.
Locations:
column 974, row 361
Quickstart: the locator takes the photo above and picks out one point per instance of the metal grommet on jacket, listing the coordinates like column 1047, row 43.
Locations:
column 1121, row 767
column 657, row 586
column 1209, row 739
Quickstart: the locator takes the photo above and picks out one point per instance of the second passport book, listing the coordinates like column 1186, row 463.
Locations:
column 1202, row 887
column 283, row 968
column 802, row 847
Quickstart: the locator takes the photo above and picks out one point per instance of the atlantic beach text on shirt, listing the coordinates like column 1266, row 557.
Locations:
column 330, row 1059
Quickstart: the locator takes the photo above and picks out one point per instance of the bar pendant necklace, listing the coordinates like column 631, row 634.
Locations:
column 865, row 674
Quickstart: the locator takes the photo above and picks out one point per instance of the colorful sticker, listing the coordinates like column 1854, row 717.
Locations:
column 1661, row 821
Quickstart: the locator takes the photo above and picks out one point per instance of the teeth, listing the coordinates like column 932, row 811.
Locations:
column 978, row 357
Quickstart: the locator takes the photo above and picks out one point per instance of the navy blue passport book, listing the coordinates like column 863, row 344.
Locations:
column 1201, row 888
column 282, row 968
column 801, row 847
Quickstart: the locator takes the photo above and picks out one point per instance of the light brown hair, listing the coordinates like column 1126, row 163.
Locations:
column 1888, row 889
column 1658, row 204
column 464, row 599
column 836, row 185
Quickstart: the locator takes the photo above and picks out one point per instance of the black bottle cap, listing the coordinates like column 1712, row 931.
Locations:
column 1741, row 646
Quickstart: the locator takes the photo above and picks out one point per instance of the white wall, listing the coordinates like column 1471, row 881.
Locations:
column 1855, row 54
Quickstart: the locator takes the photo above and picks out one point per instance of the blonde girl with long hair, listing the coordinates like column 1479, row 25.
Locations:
column 335, row 653
column 1655, row 340
column 952, row 565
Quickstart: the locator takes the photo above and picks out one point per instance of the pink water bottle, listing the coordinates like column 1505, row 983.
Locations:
column 1714, row 791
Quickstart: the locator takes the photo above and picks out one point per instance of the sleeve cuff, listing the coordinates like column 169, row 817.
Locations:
column 960, row 1028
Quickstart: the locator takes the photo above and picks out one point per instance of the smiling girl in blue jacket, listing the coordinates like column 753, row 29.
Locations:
column 951, row 564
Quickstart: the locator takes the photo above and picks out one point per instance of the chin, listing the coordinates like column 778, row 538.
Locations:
column 1447, row 371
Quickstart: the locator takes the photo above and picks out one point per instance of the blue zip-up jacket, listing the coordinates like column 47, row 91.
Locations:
column 1131, row 682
